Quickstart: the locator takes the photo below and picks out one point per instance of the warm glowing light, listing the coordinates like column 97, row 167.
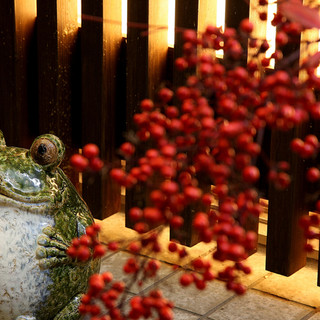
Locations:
column 79, row 13
column 124, row 17
column 220, row 21
column 271, row 32
column 171, row 22
column 318, row 69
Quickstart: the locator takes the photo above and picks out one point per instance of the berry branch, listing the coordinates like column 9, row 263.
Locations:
column 199, row 143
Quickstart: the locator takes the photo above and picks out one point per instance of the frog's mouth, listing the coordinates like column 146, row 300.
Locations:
column 8, row 195
column 19, row 204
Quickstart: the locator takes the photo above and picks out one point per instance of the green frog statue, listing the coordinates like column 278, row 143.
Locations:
column 40, row 213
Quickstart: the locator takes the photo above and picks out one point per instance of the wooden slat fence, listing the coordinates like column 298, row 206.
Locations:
column 84, row 83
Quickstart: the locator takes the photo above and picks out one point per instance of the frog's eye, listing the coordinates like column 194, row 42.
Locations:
column 47, row 150
column 44, row 152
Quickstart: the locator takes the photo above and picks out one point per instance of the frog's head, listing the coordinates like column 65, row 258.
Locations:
column 31, row 176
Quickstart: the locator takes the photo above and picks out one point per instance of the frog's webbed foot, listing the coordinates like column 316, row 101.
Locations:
column 52, row 249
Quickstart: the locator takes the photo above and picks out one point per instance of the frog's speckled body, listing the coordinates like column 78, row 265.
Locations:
column 40, row 213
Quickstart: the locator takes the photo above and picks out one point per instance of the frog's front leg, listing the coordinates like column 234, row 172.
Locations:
column 52, row 249
column 71, row 310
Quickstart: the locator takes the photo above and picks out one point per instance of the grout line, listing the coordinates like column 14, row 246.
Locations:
column 264, row 277
column 309, row 315
column 220, row 305
column 233, row 297
column 155, row 284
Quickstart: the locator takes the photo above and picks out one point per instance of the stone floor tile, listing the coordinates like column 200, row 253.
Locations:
column 115, row 263
column 192, row 299
column 256, row 262
column 256, row 305
column 300, row 287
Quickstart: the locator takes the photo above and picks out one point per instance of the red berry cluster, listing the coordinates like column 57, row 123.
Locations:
column 208, row 137
column 307, row 148
column 101, row 300
column 279, row 175
column 87, row 246
column 89, row 159
column 230, row 274
column 200, row 277
column 146, row 306
column 204, row 133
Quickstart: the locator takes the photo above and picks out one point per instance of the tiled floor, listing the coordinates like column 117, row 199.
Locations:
column 269, row 296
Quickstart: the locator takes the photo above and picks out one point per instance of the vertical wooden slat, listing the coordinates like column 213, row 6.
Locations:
column 236, row 11
column 18, row 70
column 100, row 45
column 186, row 17
column 57, row 36
column 146, row 66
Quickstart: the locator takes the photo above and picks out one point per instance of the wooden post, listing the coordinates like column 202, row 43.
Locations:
column 285, row 239
column 146, row 67
column 18, row 85
column 57, row 39
column 100, row 47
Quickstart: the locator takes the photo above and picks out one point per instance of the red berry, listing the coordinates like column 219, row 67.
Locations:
column 186, row 279
column 181, row 64
column 83, row 253
column 113, row 246
column 246, row 26
column 135, row 213
column 173, row 247
column 96, row 164
column 281, row 38
column 72, row 252
column 240, row 289
column 313, row 174
column 96, row 282
column 207, row 199
column 201, row 221
column 152, row 215
column 296, row 145
column 312, row 140
column 169, row 187
column 118, row 175
column 127, row 149
column 90, row 150
column 79, row 162
column 250, row 174
column 146, row 105
column 192, row 193
column 165, row 95
column 263, row 16
column 190, row 35
column 176, row 222
column 85, row 240
column 99, row 251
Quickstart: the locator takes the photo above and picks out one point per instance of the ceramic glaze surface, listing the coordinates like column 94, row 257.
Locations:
column 40, row 213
